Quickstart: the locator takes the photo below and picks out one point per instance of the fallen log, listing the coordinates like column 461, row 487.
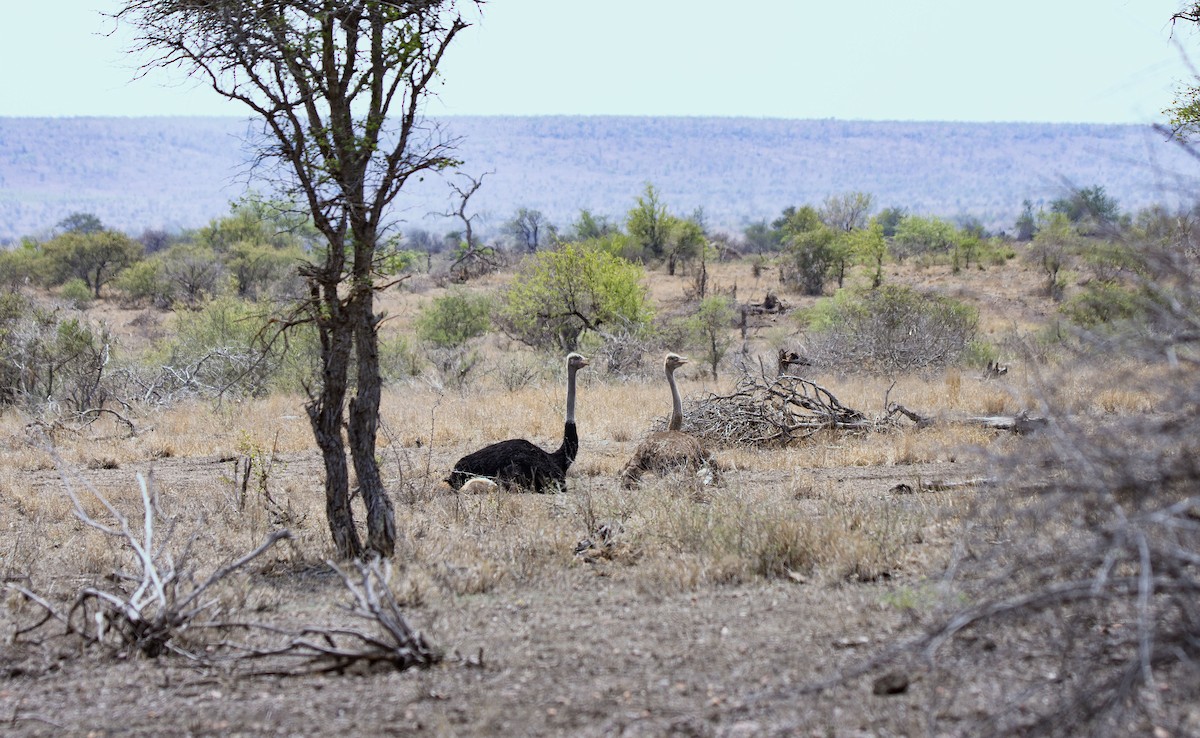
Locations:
column 1022, row 422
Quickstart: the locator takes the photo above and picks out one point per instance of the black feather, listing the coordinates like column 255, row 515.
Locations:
column 519, row 463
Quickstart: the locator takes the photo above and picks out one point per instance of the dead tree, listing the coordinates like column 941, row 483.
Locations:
column 474, row 259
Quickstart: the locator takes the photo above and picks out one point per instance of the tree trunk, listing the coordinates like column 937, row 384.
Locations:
column 325, row 415
column 363, row 426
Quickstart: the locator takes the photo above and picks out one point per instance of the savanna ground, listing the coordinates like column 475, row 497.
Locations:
column 675, row 609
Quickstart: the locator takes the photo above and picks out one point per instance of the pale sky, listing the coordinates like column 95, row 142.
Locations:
column 1095, row 61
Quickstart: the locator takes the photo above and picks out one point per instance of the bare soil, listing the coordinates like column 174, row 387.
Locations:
column 589, row 652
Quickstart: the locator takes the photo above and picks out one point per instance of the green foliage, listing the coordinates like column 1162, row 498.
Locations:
column 591, row 226
column 1102, row 303
column 1056, row 242
column 762, row 238
column 398, row 358
column 194, row 272
column 559, row 295
column 891, row 329
column 45, row 358
column 22, row 265
column 615, row 244
column 847, row 212
column 14, row 306
column 710, row 325
column 146, row 282
column 813, row 250
column 869, row 248
column 649, row 224
column 390, row 259
column 685, row 242
column 1157, row 226
column 255, row 266
column 80, row 223
column 275, row 223
column 1026, row 224
column 994, row 252
column 95, row 257
column 920, row 236
column 889, row 219
column 980, row 353
column 257, row 244
column 76, row 292
column 1090, row 209
column 529, row 229
column 223, row 348
column 454, row 319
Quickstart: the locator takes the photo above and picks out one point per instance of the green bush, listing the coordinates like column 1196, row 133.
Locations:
column 454, row 319
column 558, row 296
column 21, row 266
column 45, row 358
column 146, row 283
column 224, row 348
column 76, row 293
column 891, row 329
column 709, row 328
column 1104, row 303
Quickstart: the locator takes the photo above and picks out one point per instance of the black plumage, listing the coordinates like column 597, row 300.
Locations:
column 518, row 463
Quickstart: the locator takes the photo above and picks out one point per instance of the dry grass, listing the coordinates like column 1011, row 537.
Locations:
column 815, row 521
column 770, row 518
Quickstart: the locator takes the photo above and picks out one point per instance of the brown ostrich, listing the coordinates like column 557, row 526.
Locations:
column 520, row 463
column 663, row 451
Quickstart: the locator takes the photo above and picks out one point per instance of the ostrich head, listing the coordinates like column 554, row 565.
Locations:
column 674, row 361
column 576, row 361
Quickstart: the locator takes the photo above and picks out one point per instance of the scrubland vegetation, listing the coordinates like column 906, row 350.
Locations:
column 941, row 574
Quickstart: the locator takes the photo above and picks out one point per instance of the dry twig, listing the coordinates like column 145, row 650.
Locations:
column 764, row 411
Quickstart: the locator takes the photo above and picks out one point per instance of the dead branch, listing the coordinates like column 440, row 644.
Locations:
column 1020, row 423
column 89, row 416
column 763, row 411
column 390, row 643
column 164, row 603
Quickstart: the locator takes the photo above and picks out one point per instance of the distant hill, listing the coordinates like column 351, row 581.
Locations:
column 177, row 173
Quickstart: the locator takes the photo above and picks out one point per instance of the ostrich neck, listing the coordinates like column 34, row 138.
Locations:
column 676, row 404
column 571, row 396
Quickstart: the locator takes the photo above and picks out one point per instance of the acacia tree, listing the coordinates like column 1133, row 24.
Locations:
column 96, row 257
column 339, row 87
column 559, row 295
column 527, row 228
column 648, row 223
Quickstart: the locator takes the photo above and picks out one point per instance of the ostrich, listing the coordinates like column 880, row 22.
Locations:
column 519, row 463
column 671, row 448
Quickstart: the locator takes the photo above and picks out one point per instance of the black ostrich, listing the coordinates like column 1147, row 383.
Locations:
column 519, row 463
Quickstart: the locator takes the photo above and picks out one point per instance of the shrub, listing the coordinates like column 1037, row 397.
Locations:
column 891, row 329
column 223, row 348
column 76, row 293
column 1104, row 303
column 146, row 282
column 398, row 359
column 454, row 319
column 709, row 327
column 45, row 358
column 560, row 295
